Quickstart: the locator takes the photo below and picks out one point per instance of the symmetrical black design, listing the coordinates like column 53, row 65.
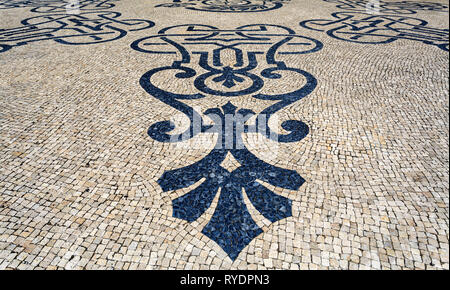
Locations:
column 375, row 29
column 9, row 4
column 89, row 25
column 231, row 226
column 57, row 6
column 85, row 28
column 231, row 6
column 388, row 7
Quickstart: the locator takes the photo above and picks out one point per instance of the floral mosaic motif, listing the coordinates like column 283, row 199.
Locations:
column 57, row 6
column 231, row 6
column 9, row 4
column 198, row 51
column 365, row 28
column 389, row 7
column 83, row 28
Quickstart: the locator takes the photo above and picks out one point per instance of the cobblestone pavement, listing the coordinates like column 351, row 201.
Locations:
column 112, row 156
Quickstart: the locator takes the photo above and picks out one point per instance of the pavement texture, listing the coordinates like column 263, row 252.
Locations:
column 224, row 134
